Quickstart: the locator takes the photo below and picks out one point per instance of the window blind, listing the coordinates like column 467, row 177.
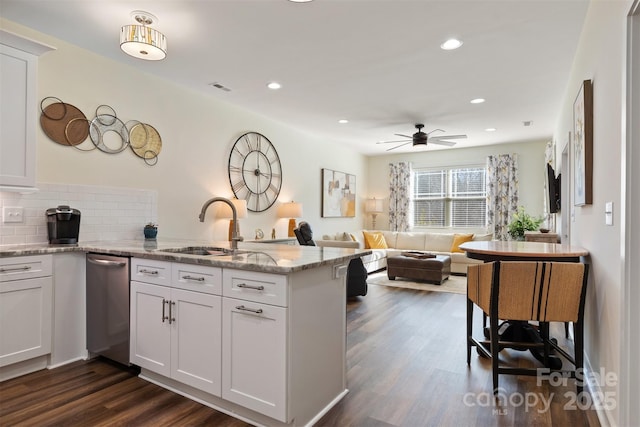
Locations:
column 453, row 197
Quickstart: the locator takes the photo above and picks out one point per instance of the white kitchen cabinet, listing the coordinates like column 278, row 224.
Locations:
column 18, row 110
column 281, row 344
column 177, row 332
column 254, row 341
column 26, row 301
column 254, row 361
column 150, row 334
column 195, row 340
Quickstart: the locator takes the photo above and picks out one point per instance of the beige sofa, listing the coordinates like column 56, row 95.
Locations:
column 399, row 241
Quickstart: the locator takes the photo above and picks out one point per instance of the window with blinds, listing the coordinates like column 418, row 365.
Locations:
column 449, row 197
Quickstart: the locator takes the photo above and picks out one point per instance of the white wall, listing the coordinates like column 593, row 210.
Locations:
column 530, row 160
column 600, row 57
column 197, row 130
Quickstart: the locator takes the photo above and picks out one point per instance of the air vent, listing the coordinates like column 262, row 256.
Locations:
column 220, row 86
column 527, row 123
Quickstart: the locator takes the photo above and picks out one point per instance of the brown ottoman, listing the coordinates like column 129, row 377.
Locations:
column 428, row 269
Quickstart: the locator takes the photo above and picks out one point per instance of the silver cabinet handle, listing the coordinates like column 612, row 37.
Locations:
column 253, row 310
column 171, row 318
column 164, row 301
column 106, row 262
column 23, row 268
column 198, row 279
column 257, row 288
column 151, row 272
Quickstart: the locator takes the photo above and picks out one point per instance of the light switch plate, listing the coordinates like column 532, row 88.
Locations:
column 12, row 214
column 608, row 213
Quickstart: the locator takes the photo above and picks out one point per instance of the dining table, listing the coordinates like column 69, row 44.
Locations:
column 516, row 250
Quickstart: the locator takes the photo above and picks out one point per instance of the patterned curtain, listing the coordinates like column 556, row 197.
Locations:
column 399, row 195
column 502, row 193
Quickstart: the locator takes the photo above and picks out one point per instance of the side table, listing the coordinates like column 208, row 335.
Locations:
column 535, row 236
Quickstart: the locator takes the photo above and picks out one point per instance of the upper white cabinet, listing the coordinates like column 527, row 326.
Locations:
column 18, row 110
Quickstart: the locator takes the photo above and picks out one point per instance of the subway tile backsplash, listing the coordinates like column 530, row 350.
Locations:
column 107, row 213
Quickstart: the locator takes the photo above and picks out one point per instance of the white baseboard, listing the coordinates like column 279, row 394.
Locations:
column 595, row 389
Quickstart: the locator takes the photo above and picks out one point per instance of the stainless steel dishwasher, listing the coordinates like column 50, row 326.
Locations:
column 108, row 307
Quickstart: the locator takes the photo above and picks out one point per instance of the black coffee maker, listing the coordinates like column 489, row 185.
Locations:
column 63, row 225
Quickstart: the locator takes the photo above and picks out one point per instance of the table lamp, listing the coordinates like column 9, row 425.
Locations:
column 290, row 210
column 225, row 212
column 373, row 207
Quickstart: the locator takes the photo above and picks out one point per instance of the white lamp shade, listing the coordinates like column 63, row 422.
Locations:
column 373, row 206
column 290, row 210
column 143, row 42
column 224, row 211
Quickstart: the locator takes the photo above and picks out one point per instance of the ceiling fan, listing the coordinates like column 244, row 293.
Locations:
column 420, row 138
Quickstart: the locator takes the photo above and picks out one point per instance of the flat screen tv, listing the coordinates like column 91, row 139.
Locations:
column 553, row 189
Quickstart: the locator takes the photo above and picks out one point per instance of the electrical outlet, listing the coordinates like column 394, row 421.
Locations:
column 12, row 214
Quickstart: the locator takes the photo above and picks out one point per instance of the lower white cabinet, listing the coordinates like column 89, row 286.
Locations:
column 26, row 301
column 177, row 333
column 265, row 347
column 254, row 356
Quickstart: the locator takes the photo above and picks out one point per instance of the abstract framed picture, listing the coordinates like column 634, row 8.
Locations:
column 583, row 145
column 338, row 194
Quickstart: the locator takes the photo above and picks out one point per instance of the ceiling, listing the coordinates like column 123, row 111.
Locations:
column 376, row 63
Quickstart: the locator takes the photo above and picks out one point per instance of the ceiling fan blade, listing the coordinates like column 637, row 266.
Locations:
column 404, row 136
column 450, row 137
column 389, row 142
column 398, row 146
column 436, row 141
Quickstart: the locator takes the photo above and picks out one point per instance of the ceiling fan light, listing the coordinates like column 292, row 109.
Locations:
column 451, row 44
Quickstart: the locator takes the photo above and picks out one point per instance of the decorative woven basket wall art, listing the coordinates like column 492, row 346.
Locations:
column 65, row 124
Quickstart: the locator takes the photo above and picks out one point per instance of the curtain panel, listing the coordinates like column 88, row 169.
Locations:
column 399, row 195
column 502, row 193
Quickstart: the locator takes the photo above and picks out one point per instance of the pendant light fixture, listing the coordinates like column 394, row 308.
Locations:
column 141, row 41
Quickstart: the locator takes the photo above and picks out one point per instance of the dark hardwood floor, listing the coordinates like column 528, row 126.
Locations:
column 406, row 367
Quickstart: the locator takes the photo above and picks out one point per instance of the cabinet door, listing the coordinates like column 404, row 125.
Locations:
column 25, row 319
column 196, row 357
column 150, row 345
column 18, row 115
column 254, row 357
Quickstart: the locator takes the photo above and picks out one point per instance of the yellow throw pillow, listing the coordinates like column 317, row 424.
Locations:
column 459, row 239
column 374, row 240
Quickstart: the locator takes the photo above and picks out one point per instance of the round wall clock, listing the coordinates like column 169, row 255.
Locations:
column 255, row 172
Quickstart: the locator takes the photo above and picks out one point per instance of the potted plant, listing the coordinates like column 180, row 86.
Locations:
column 150, row 230
column 522, row 222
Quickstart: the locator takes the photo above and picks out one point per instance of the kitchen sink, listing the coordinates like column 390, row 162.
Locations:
column 204, row 251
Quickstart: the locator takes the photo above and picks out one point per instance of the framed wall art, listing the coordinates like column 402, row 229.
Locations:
column 583, row 145
column 338, row 194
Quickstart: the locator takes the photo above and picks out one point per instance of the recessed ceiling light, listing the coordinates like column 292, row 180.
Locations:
column 451, row 44
column 477, row 101
column 343, row 121
column 300, row 1
column 274, row 85
column 491, row 129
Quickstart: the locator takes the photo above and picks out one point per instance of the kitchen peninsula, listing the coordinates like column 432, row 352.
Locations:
column 257, row 333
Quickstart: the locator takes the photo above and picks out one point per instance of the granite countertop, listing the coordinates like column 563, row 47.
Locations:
column 265, row 257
